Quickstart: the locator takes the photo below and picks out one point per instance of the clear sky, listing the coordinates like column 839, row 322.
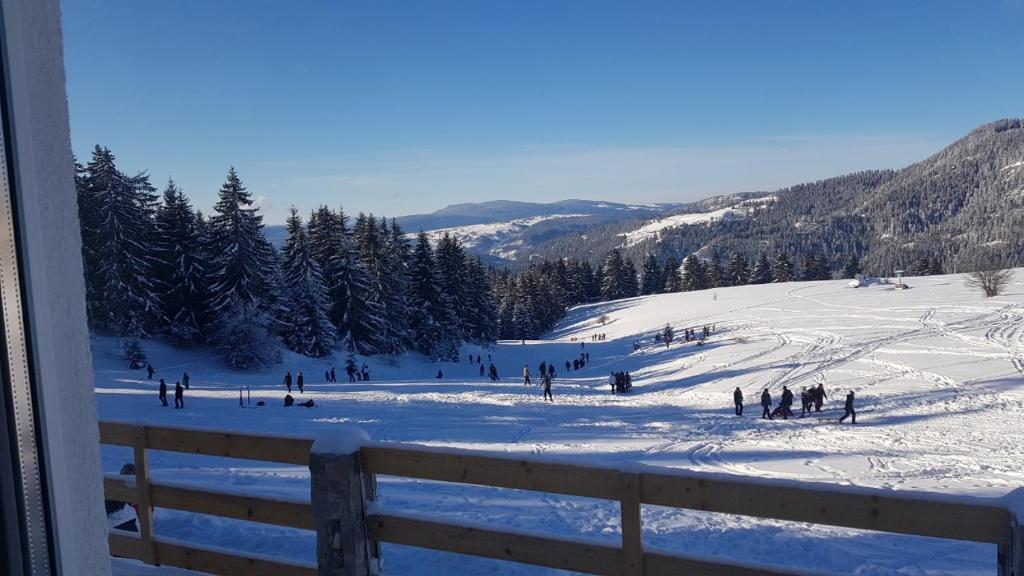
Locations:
column 404, row 107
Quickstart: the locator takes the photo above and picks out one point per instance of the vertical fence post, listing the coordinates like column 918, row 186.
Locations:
column 339, row 500
column 1011, row 550
column 632, row 532
column 145, row 500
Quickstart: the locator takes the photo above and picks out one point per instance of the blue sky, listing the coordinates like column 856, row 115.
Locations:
column 404, row 107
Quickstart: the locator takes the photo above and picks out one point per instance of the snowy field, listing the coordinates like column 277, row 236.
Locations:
column 938, row 372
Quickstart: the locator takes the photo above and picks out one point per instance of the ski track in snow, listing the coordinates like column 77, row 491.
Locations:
column 938, row 372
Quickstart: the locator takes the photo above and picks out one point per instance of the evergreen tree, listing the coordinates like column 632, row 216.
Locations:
column 852, row 267
column 480, row 309
column 181, row 268
column 308, row 329
column 451, row 275
column 116, row 213
column 242, row 287
column 653, row 276
column 811, row 271
column 242, row 258
column 630, row 279
column 935, row 267
column 614, row 280
column 782, row 269
column 921, row 267
column 673, row 276
column 394, row 282
column 716, row 275
column 762, row 271
column 428, row 317
column 737, row 272
column 328, row 239
column 694, row 274
column 824, row 268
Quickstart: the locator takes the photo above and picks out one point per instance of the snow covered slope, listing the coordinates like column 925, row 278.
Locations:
column 653, row 229
column 938, row 372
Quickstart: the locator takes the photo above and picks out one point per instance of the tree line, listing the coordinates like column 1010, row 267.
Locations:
column 156, row 266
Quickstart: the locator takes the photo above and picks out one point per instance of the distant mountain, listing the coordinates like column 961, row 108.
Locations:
column 504, row 232
column 962, row 205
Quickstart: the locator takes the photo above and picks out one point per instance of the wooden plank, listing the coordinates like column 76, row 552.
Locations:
column 632, row 530
column 231, row 445
column 126, row 545
column 217, row 562
column 144, row 499
column 587, row 481
column 658, row 564
column 116, row 488
column 535, row 550
column 881, row 511
column 117, row 434
column 264, row 510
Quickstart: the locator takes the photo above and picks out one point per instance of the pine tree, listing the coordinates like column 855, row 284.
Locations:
column 935, row 267
column 243, row 259
column 242, row 287
column 181, row 269
column 630, row 279
column 308, row 329
column 694, row 274
column 614, row 282
column 116, row 214
column 737, row 272
column 852, row 268
column 716, row 275
column 428, row 317
column 811, row 271
column 480, row 309
column 394, row 282
column 824, row 268
column 762, row 271
column 451, row 275
column 328, row 236
column 673, row 277
column 362, row 317
column 921, row 267
column 782, row 269
column 653, row 278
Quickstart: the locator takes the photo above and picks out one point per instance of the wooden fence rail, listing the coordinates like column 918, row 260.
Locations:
column 974, row 520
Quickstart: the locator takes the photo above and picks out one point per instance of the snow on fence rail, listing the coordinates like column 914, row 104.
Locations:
column 983, row 520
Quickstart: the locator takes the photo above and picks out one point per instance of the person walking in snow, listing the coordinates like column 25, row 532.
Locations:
column 551, row 371
column 542, row 369
column 819, row 397
column 786, row 403
column 566, row 365
column 351, row 370
column 288, row 380
column 334, row 375
column 299, row 380
column 737, row 399
column 184, row 380
column 366, row 372
column 806, row 399
column 441, row 374
column 613, row 380
column 179, row 395
column 766, row 405
column 163, row 392
column 150, row 370
column 546, row 380
column 493, row 371
column 481, row 370
column 526, row 374
column 849, row 409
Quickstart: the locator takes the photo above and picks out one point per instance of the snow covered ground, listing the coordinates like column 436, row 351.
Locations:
column 654, row 228
column 938, row 372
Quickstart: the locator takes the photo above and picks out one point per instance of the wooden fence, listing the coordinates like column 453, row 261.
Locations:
column 974, row 520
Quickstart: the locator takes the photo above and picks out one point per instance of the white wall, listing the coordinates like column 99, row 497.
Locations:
column 53, row 274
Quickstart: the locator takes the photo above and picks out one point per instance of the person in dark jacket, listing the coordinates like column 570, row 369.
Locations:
column 184, row 380
column 288, row 400
column 766, row 405
column 163, row 392
column 493, row 372
column 288, row 380
column 849, row 409
column 150, row 370
column 551, row 371
column 546, row 380
column 543, row 369
column 806, row 400
column 567, row 365
column 299, row 380
column 440, row 374
column 334, row 375
column 737, row 399
column 786, row 403
column 481, row 370
column 179, row 395
column 819, row 397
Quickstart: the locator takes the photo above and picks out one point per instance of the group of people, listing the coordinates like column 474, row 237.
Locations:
column 179, row 391
column 621, row 382
column 577, row 363
column 547, row 374
column 690, row 334
column 356, row 374
column 598, row 338
column 811, row 399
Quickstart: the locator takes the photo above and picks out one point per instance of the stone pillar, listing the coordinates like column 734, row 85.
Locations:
column 339, row 502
